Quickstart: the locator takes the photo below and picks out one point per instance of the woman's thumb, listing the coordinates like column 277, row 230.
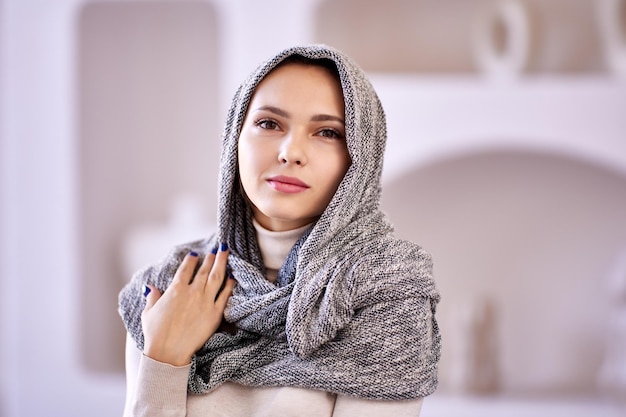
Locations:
column 152, row 295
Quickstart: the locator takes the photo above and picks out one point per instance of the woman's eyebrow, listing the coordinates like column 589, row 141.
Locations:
column 327, row 117
column 275, row 110
column 316, row 118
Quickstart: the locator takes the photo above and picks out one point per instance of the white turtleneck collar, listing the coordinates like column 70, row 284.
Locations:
column 275, row 246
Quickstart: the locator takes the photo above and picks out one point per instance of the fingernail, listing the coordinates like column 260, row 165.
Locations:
column 146, row 290
column 224, row 247
column 214, row 250
column 192, row 253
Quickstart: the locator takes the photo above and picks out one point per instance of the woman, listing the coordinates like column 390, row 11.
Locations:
column 323, row 312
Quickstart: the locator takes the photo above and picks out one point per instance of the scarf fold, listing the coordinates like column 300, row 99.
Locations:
column 352, row 310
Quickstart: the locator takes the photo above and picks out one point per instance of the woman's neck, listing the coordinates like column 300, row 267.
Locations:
column 275, row 246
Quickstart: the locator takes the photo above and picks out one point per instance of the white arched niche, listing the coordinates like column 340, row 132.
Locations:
column 535, row 233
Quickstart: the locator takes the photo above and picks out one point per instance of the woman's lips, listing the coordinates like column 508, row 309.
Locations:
column 286, row 184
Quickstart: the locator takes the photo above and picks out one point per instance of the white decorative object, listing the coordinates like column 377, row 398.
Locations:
column 502, row 39
column 612, row 22
column 473, row 347
column 612, row 376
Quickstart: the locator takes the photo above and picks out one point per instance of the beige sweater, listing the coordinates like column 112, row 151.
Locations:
column 156, row 389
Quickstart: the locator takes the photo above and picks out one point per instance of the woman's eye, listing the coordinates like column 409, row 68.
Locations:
column 330, row 133
column 267, row 124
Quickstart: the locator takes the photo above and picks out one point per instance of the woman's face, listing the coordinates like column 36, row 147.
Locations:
column 292, row 147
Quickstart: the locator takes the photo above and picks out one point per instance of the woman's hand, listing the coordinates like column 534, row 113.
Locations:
column 177, row 323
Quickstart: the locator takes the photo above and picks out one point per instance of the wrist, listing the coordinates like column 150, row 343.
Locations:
column 164, row 357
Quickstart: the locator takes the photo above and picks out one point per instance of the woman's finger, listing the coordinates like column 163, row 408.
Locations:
column 218, row 270
column 203, row 272
column 184, row 273
column 152, row 295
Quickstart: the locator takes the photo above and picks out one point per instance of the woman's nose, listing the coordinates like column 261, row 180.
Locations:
column 293, row 149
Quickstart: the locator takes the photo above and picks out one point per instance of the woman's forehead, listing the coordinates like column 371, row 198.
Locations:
column 296, row 84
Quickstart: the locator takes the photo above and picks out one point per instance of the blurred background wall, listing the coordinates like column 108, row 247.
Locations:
column 506, row 160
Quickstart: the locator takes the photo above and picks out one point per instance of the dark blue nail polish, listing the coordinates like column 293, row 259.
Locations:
column 224, row 247
column 192, row 253
column 214, row 250
column 146, row 290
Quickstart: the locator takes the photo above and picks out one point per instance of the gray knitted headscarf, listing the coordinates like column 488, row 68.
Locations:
column 353, row 308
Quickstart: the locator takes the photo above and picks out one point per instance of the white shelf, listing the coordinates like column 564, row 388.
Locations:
column 433, row 118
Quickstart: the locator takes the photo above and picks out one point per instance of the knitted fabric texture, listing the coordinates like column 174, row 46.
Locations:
column 352, row 310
